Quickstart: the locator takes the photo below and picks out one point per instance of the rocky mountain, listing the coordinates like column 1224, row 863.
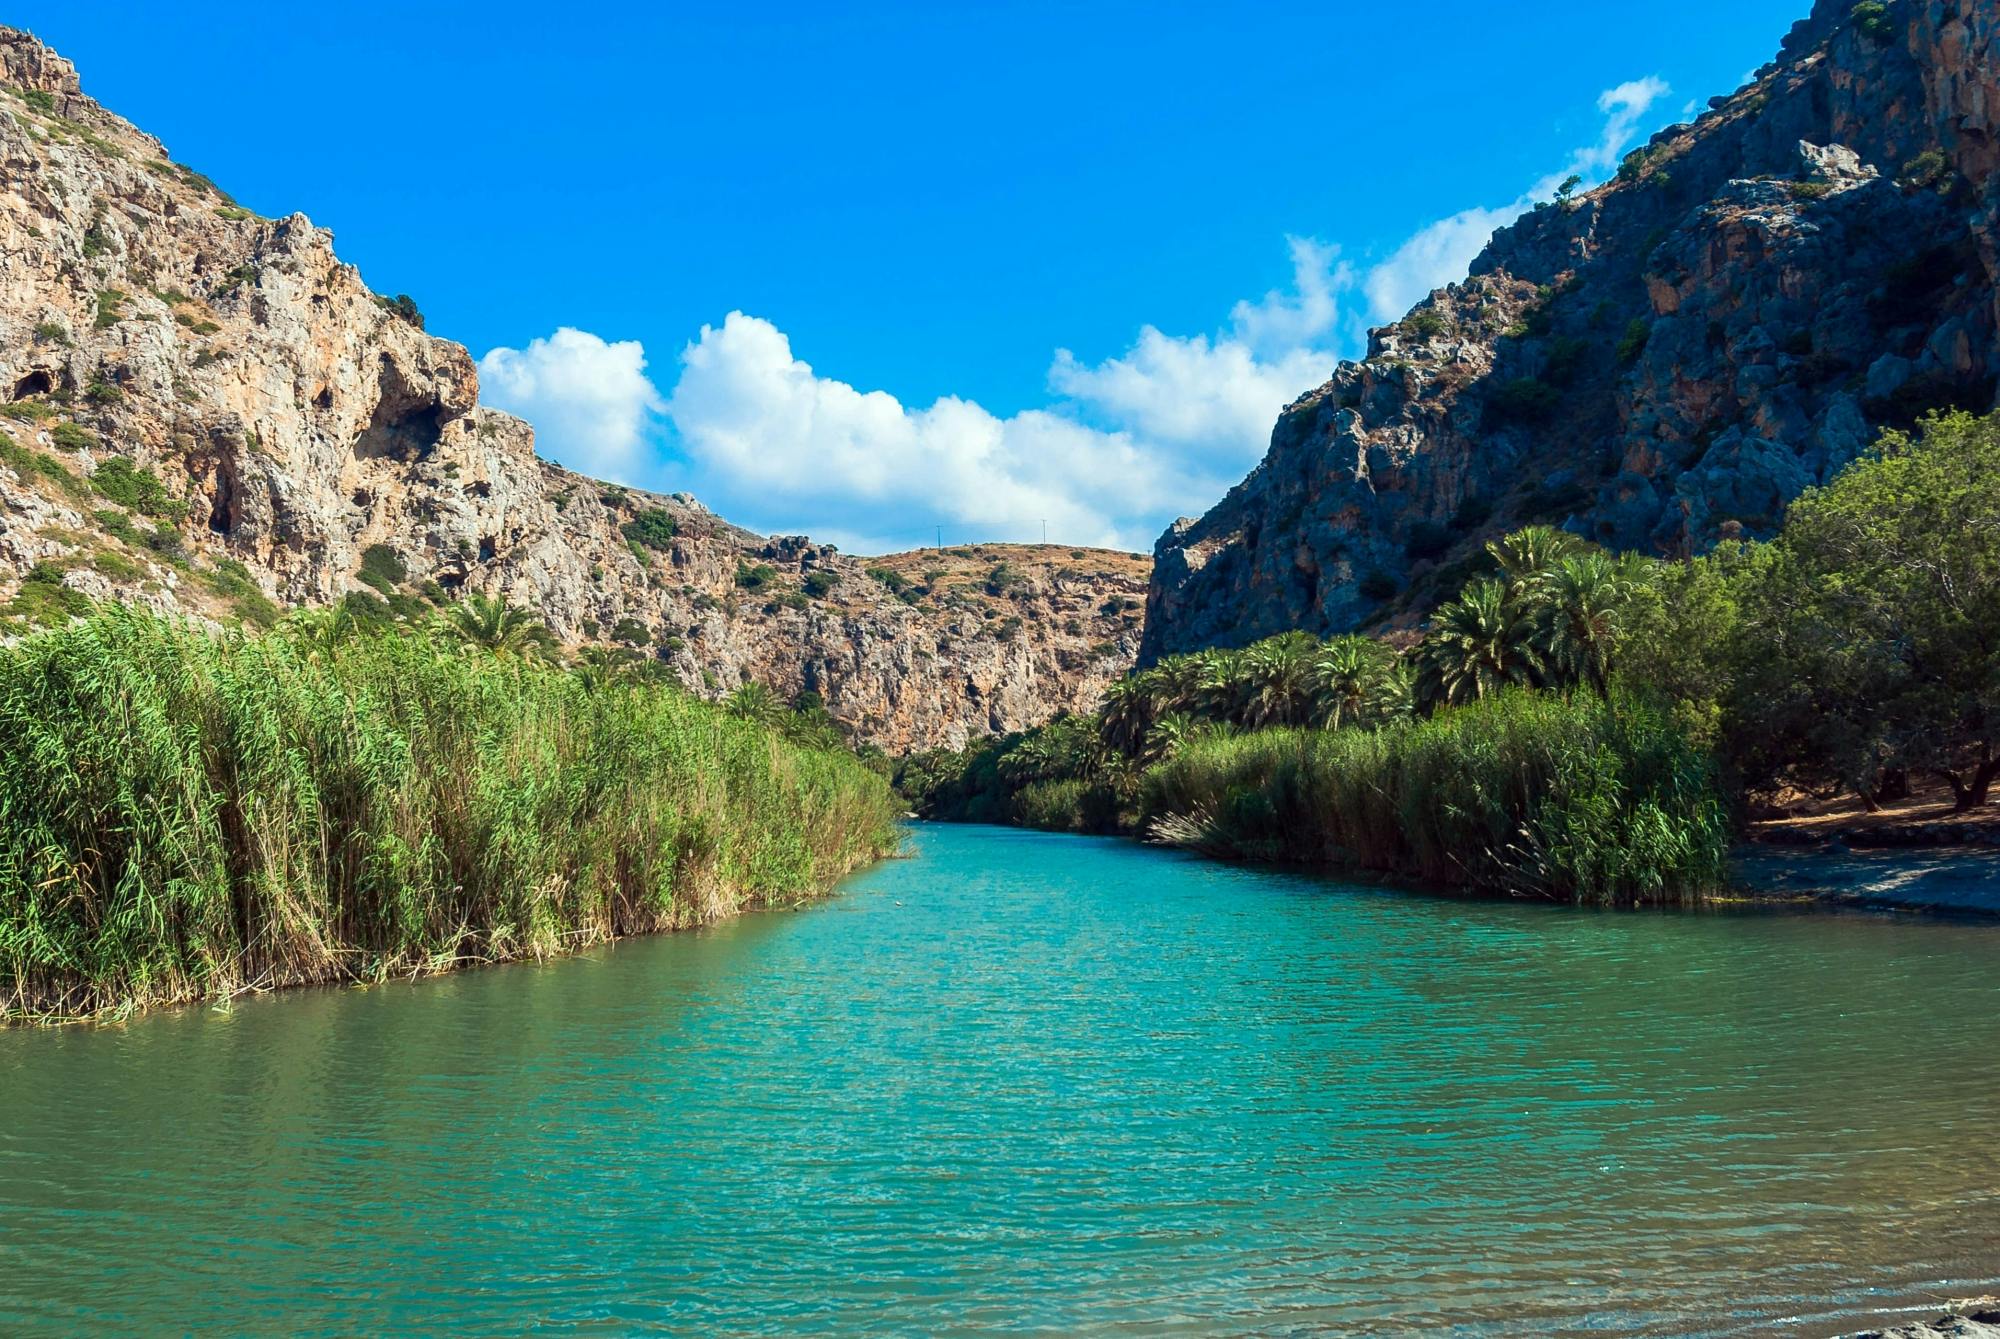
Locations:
column 207, row 411
column 1658, row 363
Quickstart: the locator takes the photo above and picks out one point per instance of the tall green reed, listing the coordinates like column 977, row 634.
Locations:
column 186, row 816
column 1526, row 794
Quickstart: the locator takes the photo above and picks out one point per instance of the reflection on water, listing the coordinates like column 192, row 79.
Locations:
column 1030, row 1082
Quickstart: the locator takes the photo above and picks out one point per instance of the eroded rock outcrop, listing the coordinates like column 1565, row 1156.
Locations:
column 1657, row 364
column 274, row 427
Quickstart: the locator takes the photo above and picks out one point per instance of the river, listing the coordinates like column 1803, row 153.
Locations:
column 1023, row 1083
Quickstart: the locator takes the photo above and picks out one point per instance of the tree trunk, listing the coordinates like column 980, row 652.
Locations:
column 1971, row 793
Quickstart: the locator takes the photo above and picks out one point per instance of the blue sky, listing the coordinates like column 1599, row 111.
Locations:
column 861, row 270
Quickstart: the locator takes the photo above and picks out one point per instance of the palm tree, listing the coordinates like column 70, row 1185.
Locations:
column 1350, row 675
column 1279, row 680
column 1181, row 681
column 754, row 702
column 1530, row 551
column 1128, row 711
column 323, row 630
column 490, row 622
column 1478, row 644
column 599, row 666
column 1224, row 680
column 1578, row 607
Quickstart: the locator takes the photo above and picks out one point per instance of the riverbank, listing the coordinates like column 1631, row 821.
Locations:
column 186, row 816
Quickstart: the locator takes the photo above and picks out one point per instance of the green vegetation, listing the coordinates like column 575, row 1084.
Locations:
column 1931, row 168
column 44, row 601
column 110, row 308
column 819, row 583
column 1871, row 20
column 73, row 437
column 382, row 568
column 652, row 528
column 403, row 307
column 135, row 487
column 1524, row 794
column 1524, row 400
column 755, row 578
column 232, row 580
column 32, row 465
column 1633, row 342
column 1573, row 723
column 40, row 99
column 185, row 816
column 52, row 332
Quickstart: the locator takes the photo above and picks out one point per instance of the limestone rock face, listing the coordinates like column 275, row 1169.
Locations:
column 296, row 423
column 1666, row 361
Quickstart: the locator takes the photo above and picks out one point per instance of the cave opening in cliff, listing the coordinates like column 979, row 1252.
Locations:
column 410, row 438
column 488, row 547
column 408, row 421
column 37, row 382
column 224, row 511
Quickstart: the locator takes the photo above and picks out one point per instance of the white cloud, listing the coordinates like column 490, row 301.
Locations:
column 759, row 424
column 1443, row 252
column 590, row 401
column 1216, row 398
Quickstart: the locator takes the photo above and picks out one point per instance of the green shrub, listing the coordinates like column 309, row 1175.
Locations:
column 100, row 391
column 382, row 568
column 1524, row 400
column 232, row 580
column 167, row 800
column 653, row 528
column 1063, row 806
column 894, row 580
column 1004, row 577
column 110, row 308
column 631, row 632
column 44, row 601
column 135, row 487
column 403, row 307
column 1377, row 587
column 820, row 583
column 40, row 99
column 1929, row 168
column 73, row 437
column 756, row 577
column 32, row 465
column 51, row 332
column 1871, row 20
column 1633, row 342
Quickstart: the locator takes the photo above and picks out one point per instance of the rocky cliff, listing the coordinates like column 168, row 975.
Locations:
column 206, row 411
column 1657, row 363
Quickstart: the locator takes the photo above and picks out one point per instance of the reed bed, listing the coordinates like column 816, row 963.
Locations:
column 1524, row 794
column 188, row 816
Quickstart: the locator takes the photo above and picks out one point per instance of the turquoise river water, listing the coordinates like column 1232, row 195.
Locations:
column 1022, row 1083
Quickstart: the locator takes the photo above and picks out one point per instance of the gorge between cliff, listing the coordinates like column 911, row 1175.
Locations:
column 1038, row 1082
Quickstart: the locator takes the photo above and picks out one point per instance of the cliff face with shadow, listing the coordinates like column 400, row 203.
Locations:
column 208, row 412
column 1656, row 364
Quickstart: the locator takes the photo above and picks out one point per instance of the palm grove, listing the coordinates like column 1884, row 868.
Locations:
column 1574, row 722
